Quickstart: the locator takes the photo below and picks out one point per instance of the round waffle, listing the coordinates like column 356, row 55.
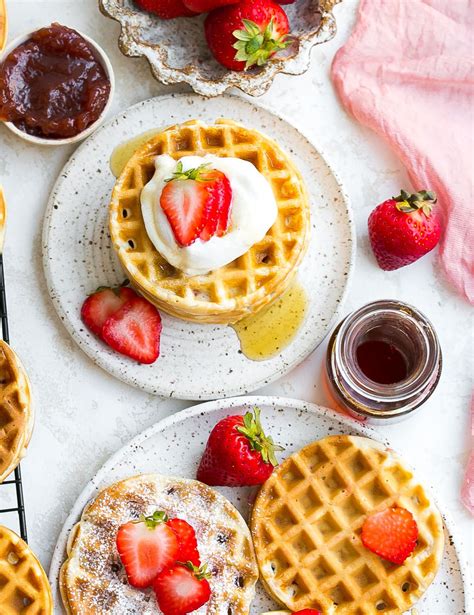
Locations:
column 3, row 25
column 93, row 579
column 306, row 526
column 250, row 282
column 16, row 411
column 24, row 586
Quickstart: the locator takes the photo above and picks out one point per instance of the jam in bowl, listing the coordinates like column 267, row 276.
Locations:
column 55, row 85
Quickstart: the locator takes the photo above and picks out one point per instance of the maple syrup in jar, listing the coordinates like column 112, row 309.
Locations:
column 383, row 361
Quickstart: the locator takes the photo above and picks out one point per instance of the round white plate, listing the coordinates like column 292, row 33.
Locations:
column 196, row 362
column 174, row 447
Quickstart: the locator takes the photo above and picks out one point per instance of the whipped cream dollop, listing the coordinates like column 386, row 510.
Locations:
column 254, row 211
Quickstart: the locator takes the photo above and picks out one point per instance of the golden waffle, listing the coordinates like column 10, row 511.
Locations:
column 93, row 581
column 24, row 586
column 3, row 25
column 16, row 412
column 306, row 526
column 250, row 282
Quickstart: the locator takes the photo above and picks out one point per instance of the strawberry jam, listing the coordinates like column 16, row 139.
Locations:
column 381, row 362
column 53, row 85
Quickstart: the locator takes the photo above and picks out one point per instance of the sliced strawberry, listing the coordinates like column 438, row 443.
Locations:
column 391, row 534
column 188, row 548
column 135, row 330
column 182, row 589
column 197, row 203
column 146, row 547
column 103, row 303
column 306, row 611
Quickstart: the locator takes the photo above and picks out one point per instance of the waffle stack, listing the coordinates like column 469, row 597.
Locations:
column 306, row 526
column 242, row 287
column 16, row 411
column 24, row 586
column 93, row 579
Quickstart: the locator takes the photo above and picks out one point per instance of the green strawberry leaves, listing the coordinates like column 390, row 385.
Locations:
column 408, row 203
column 252, row 429
column 255, row 46
column 157, row 518
column 198, row 174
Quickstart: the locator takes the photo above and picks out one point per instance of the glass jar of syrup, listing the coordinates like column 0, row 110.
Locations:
column 383, row 361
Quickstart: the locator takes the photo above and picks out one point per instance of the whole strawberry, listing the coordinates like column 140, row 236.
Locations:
column 203, row 6
column 246, row 34
column 403, row 229
column 238, row 453
column 165, row 9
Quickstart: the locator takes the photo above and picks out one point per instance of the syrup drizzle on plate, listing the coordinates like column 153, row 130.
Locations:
column 124, row 151
column 265, row 334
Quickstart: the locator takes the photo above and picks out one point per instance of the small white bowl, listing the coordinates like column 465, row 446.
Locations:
column 90, row 129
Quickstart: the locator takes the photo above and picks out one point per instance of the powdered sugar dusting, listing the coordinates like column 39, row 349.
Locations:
column 93, row 576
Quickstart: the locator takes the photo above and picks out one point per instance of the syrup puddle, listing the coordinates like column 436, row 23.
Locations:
column 267, row 333
column 123, row 152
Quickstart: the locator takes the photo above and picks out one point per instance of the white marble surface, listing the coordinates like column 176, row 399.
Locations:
column 84, row 415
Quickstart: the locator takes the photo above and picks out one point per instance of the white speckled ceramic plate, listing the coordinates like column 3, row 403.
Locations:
column 174, row 446
column 196, row 362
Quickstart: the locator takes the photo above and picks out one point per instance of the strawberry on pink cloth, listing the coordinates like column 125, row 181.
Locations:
column 407, row 72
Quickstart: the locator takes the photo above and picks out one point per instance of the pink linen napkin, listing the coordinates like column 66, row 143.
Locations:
column 467, row 492
column 407, row 72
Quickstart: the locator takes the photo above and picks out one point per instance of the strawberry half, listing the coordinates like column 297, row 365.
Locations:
column 238, row 453
column 166, row 9
column 101, row 304
column 182, row 589
column 188, row 548
column 134, row 330
column 146, row 547
column 307, row 611
column 391, row 534
column 403, row 229
column 197, row 203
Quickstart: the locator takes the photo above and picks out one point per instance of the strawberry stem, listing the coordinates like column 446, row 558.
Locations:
column 151, row 521
column 255, row 46
column 114, row 289
column 199, row 572
column 408, row 203
column 252, row 429
column 197, row 174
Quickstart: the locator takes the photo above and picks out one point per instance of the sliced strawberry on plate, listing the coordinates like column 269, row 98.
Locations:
column 146, row 547
column 182, row 589
column 238, row 453
column 188, row 548
column 134, row 330
column 391, row 534
column 101, row 304
column 197, row 203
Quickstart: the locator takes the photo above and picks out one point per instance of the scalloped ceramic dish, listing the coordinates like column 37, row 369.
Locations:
column 177, row 52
